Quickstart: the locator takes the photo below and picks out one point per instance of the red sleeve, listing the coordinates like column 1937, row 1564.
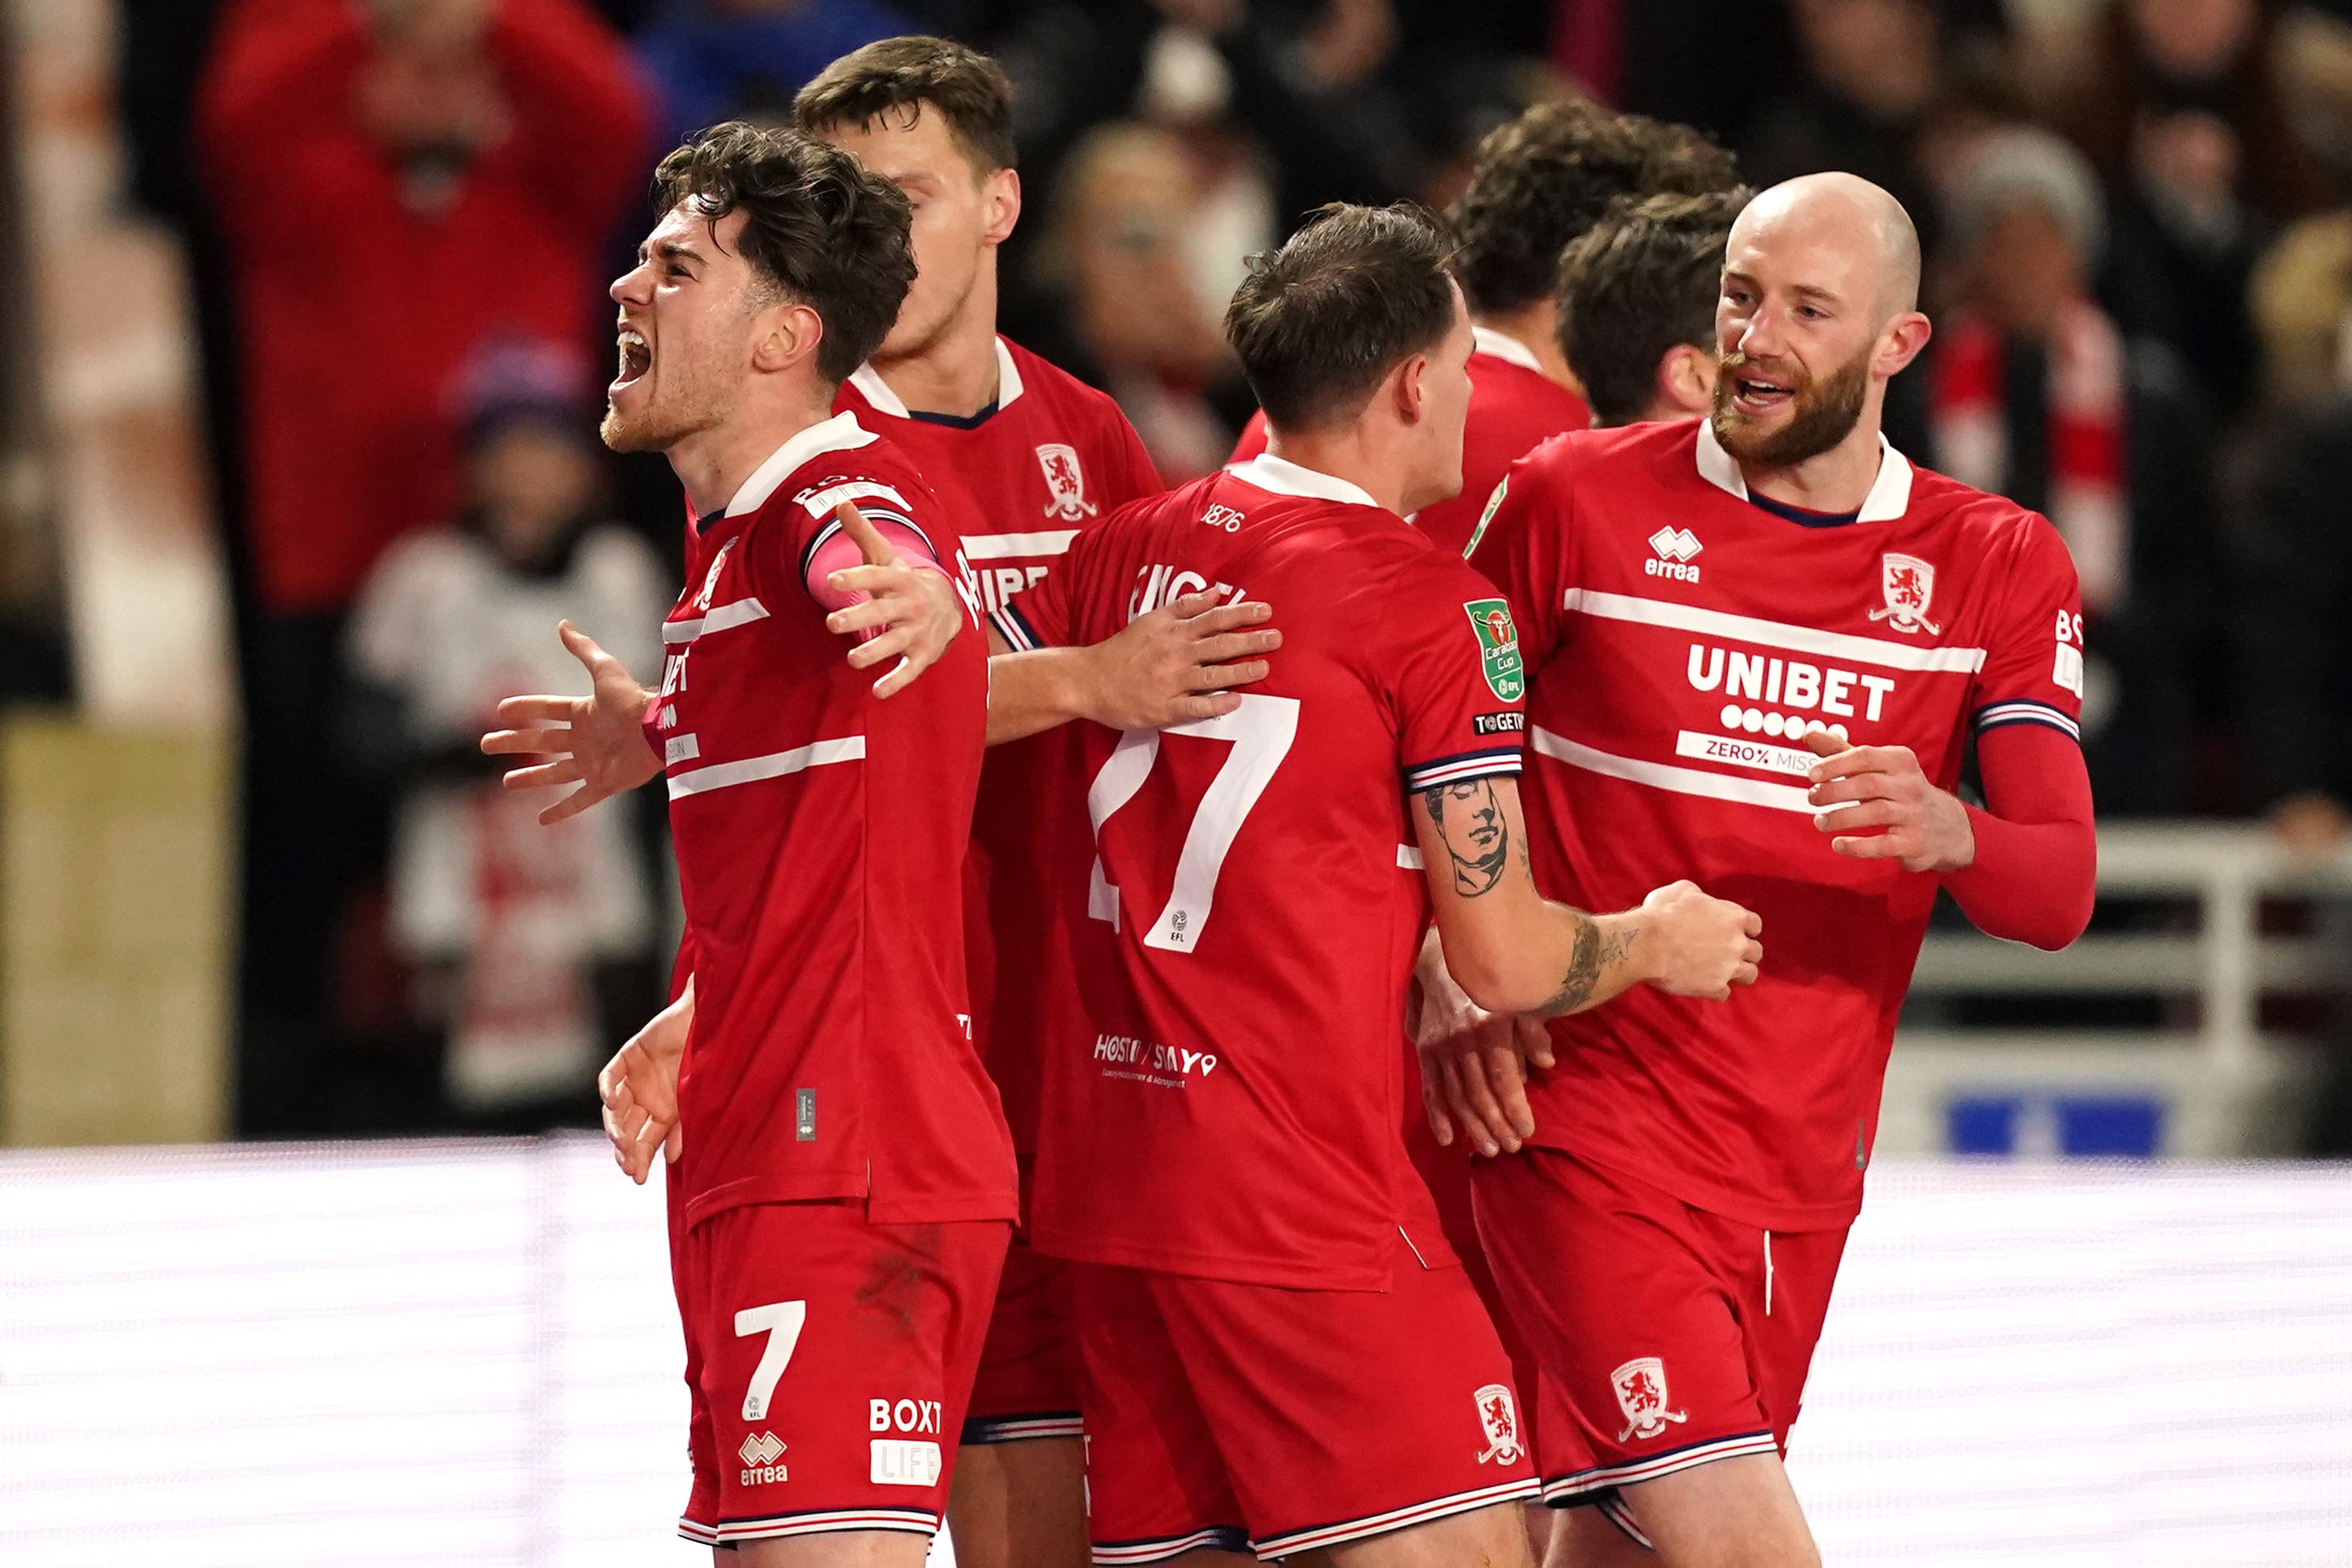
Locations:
column 1519, row 546
column 2036, row 872
column 1252, row 442
column 2033, row 655
column 278, row 81
column 581, row 113
column 1451, row 658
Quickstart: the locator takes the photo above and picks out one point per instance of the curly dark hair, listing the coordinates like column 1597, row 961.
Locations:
column 1640, row 280
column 968, row 89
column 1546, row 177
column 1319, row 323
column 817, row 228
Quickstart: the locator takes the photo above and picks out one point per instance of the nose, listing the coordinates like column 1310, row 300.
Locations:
column 1759, row 335
column 628, row 288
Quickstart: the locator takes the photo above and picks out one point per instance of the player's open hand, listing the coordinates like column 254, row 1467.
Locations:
column 596, row 740
column 1698, row 945
column 1923, row 828
column 639, row 1089
column 1477, row 1083
column 1179, row 663
column 910, row 613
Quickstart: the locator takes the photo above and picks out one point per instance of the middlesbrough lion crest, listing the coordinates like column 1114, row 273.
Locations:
column 1908, row 583
column 1640, row 1388
column 1499, row 1417
column 1066, row 481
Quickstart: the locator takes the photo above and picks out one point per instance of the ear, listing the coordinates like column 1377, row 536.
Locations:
column 786, row 335
column 1899, row 342
column 1686, row 380
column 1410, row 389
column 1000, row 205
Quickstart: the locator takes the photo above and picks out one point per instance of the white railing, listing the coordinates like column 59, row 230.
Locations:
column 2229, row 1088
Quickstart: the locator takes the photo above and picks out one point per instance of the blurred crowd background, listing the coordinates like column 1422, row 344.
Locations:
column 398, row 216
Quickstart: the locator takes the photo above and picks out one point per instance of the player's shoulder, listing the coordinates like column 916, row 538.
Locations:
column 1584, row 457
column 1058, row 390
column 1501, row 387
column 1999, row 526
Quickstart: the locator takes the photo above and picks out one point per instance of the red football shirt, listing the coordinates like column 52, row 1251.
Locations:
column 1513, row 405
column 1680, row 638
column 1051, row 457
column 1246, row 909
column 820, row 835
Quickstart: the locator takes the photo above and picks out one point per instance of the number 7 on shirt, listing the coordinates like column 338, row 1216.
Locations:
column 1261, row 730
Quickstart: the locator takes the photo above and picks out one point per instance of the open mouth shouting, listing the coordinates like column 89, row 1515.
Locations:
column 1759, row 395
column 637, row 357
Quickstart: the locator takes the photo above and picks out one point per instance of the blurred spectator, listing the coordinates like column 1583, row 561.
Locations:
column 392, row 181
column 743, row 60
column 2183, row 114
column 1116, row 258
column 2035, row 394
column 533, row 947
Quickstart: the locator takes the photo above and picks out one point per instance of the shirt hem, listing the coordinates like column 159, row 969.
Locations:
column 1731, row 1203
column 1218, row 1267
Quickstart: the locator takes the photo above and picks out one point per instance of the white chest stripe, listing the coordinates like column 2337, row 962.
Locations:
column 1001, row 546
column 774, row 766
column 1772, row 634
column 1665, row 775
column 717, row 618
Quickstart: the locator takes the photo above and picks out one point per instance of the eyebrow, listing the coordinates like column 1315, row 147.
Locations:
column 1803, row 290
column 670, row 250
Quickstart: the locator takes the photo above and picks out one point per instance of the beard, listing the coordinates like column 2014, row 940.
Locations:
column 1823, row 413
column 661, row 422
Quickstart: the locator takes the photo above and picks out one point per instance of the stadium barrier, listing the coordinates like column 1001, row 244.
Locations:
column 2219, row 925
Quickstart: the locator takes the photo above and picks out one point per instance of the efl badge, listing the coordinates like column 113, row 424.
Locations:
column 1066, row 482
column 710, row 581
column 1908, row 583
column 1500, row 1418
column 1641, row 1386
column 1498, row 647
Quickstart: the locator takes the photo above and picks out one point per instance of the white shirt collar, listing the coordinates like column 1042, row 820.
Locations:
column 1503, row 346
column 1890, row 493
column 878, row 395
column 1284, row 478
column 842, row 433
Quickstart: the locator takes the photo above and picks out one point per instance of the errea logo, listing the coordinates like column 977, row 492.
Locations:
column 760, row 1453
column 1674, row 548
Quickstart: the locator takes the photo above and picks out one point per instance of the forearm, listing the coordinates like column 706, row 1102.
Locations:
column 1551, row 961
column 2034, row 873
column 1030, row 692
column 2031, row 881
column 1603, row 960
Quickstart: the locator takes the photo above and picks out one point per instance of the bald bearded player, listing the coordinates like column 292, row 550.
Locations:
column 1756, row 647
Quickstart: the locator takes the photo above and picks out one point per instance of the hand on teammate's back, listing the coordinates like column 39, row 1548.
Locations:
column 1925, row 828
column 597, row 742
column 1699, row 945
column 910, row 612
column 639, row 1089
column 1179, row 663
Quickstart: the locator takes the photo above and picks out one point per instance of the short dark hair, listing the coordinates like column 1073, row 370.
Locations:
column 817, row 228
column 1546, row 177
column 969, row 89
column 1319, row 323
column 1643, row 279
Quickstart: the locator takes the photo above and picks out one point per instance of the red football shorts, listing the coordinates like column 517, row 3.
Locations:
column 1028, row 1381
column 1446, row 1173
column 829, row 1359
column 1668, row 1336
column 1253, row 1417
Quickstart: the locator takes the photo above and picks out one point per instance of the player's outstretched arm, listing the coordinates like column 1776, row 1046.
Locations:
column 597, row 741
column 639, row 1089
column 1514, row 952
column 1180, row 663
